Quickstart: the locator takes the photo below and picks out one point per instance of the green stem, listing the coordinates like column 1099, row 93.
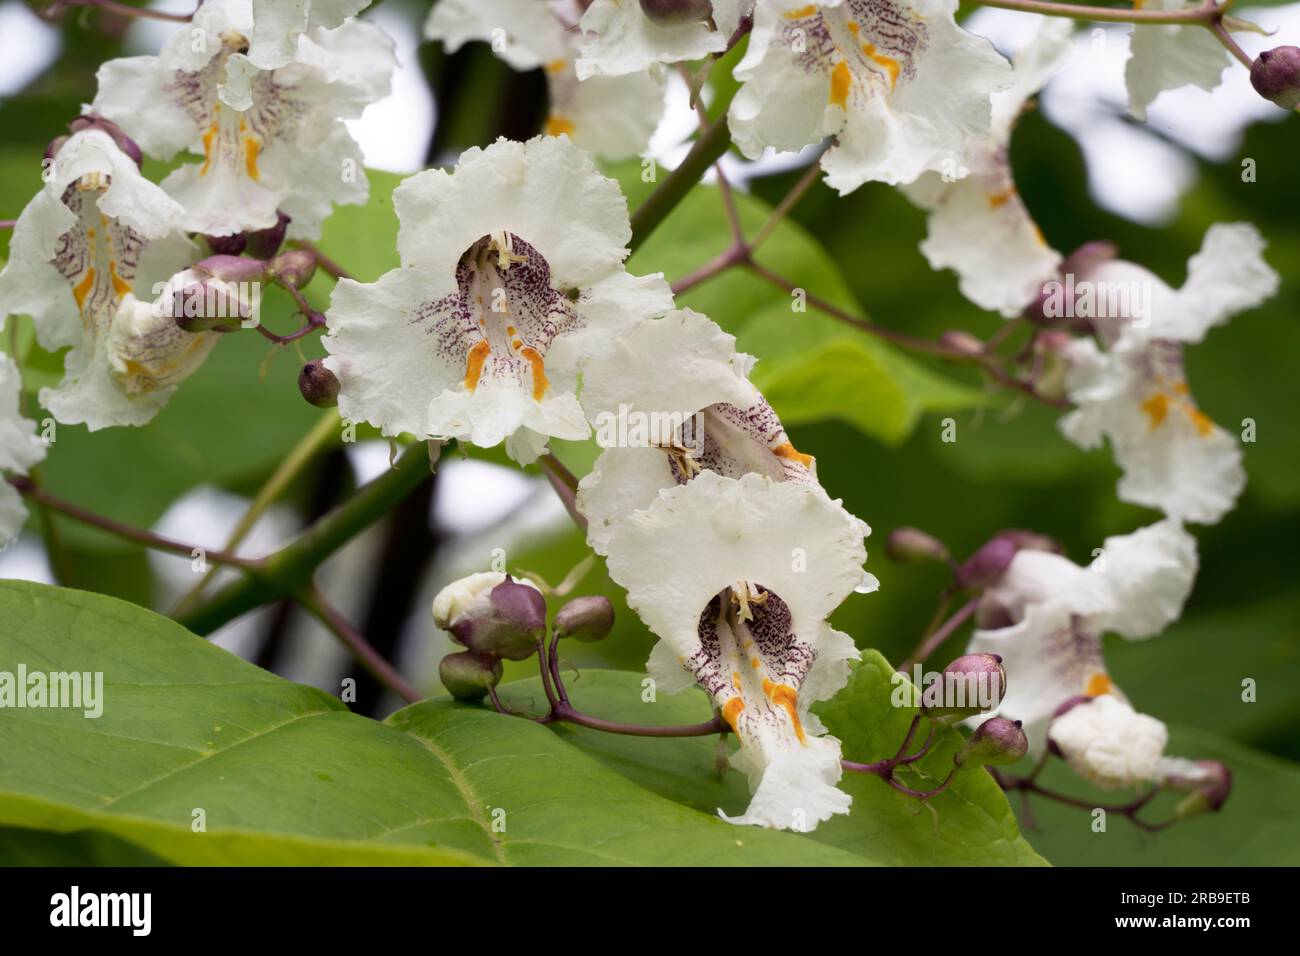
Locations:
column 288, row 571
column 713, row 142
column 1075, row 11
column 290, row 469
column 314, row 602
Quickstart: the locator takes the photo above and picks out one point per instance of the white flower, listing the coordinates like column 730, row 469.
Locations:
column 1167, row 56
column 20, row 449
column 1136, row 394
column 512, row 275
column 670, row 400
column 899, row 85
column 620, row 39
column 469, row 597
column 270, row 139
column 611, row 116
column 97, row 234
column 278, row 24
column 978, row 225
column 1058, row 611
column 1106, row 741
column 737, row 578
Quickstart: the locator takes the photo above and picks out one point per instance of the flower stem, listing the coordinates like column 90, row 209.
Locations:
column 565, row 485
column 119, row 9
column 710, row 146
column 935, row 640
column 311, row 599
column 30, row 490
column 1130, row 810
column 322, row 260
column 1076, row 11
column 565, row 712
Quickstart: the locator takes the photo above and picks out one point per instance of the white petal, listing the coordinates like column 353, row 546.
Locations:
column 525, row 33
column 620, row 39
column 1150, row 573
column 1228, row 275
column 1168, row 56
column 612, row 117
column 1109, row 743
column 793, row 787
column 277, row 25
column 20, row 448
column 623, row 480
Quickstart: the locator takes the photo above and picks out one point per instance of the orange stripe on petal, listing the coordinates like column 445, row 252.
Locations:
column 534, row 358
column 82, row 289
column 790, row 453
column 474, row 364
column 731, row 712
column 841, row 83
column 1098, row 684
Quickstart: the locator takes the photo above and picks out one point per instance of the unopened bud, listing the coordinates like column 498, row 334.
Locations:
column 996, row 741
column 1031, row 540
column 1276, row 76
column 231, row 245
column 1207, row 784
column 988, row 564
column 219, row 293
column 319, row 386
column 491, row 613
column 913, row 544
column 970, row 685
column 264, row 243
column 294, row 266
column 588, row 618
column 671, row 12
column 963, row 342
column 1078, row 264
column 469, row 676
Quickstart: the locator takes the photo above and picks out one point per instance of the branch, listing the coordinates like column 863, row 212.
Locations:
column 713, row 142
column 313, row 601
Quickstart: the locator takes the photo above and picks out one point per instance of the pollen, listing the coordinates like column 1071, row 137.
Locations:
column 841, row 83
column 474, row 364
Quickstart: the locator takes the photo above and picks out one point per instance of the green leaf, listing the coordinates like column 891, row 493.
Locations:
column 972, row 824
column 284, row 774
column 363, row 239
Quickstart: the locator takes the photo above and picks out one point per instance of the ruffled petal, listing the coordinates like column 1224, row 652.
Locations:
column 1228, row 275
column 620, row 39
column 278, row 25
column 1167, row 56
column 1108, row 743
column 1150, row 573
column 525, row 33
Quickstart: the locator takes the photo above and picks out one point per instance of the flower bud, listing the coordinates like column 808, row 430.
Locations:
column 1276, row 76
column 588, row 619
column 227, row 245
column 996, row 741
column 970, row 685
column 913, row 544
column 962, row 342
column 1031, row 540
column 1207, row 784
column 989, row 563
column 491, row 613
column 219, row 293
column 266, row 242
column 670, row 12
column 1078, row 264
column 294, row 266
column 318, row 384
column 469, row 676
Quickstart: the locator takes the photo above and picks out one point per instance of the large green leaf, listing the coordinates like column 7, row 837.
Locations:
column 971, row 823
column 286, row 775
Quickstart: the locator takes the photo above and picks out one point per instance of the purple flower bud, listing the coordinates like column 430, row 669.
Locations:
column 670, row 12
column 1207, row 787
column 991, row 614
column 295, row 266
column 469, row 676
column 266, row 242
column 319, row 386
column 491, row 613
column 1276, row 76
column 970, row 685
column 913, row 544
column 589, row 618
column 988, row 564
column 233, row 268
column 226, row 245
column 996, row 741
column 962, row 342
column 1031, row 540
column 1079, row 264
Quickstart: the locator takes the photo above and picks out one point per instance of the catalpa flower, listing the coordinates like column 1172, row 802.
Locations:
column 737, row 577
column 611, row 116
column 512, row 275
column 1135, row 392
column 978, row 225
column 278, row 25
column 1046, row 615
column 620, row 38
column 97, row 233
column 1167, row 56
column 271, row 140
column 1111, row 745
column 898, row 84
column 20, row 449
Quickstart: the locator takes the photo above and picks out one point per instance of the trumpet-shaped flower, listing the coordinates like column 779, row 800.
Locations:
column 512, row 276
column 1055, row 613
column 20, row 449
column 611, row 116
column 620, row 39
column 1135, row 392
column 661, row 425
column 96, row 236
column 271, row 140
column 978, row 225
column 737, row 577
column 899, row 85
